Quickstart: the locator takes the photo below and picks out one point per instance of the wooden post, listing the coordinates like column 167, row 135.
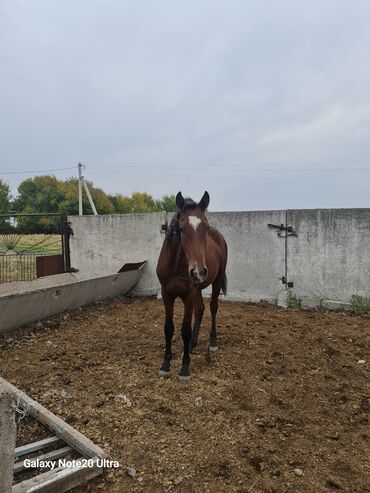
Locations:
column 7, row 438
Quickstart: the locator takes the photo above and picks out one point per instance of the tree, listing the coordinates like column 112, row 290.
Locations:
column 47, row 194
column 167, row 203
column 138, row 202
column 5, row 206
column 40, row 194
column 5, row 198
column 122, row 204
column 69, row 204
column 143, row 202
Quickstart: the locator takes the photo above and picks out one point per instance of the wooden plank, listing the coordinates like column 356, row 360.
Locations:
column 35, row 446
column 60, row 480
column 8, row 434
column 25, row 486
column 71, row 436
column 53, row 455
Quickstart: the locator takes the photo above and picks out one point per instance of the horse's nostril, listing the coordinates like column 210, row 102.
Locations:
column 192, row 273
column 205, row 271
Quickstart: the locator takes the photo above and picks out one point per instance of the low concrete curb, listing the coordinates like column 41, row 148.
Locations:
column 19, row 309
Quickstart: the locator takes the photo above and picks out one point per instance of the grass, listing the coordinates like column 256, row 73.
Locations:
column 36, row 243
column 293, row 302
column 360, row 304
column 18, row 254
column 339, row 309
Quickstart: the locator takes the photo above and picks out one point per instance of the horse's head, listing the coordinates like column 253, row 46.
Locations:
column 193, row 227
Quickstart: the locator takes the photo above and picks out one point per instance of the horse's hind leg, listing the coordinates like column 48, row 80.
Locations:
column 198, row 316
column 168, row 332
column 216, row 288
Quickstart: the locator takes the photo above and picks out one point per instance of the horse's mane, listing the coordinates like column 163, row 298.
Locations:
column 174, row 224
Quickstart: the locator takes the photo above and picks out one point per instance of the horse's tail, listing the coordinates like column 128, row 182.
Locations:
column 224, row 283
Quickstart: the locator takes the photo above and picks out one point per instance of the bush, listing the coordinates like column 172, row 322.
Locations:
column 294, row 302
column 360, row 304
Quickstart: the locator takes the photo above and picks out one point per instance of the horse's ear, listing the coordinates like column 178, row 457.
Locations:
column 204, row 201
column 180, row 202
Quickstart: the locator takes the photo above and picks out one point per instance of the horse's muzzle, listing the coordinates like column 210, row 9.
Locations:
column 198, row 275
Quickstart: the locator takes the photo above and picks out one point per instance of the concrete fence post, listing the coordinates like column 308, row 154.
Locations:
column 7, row 439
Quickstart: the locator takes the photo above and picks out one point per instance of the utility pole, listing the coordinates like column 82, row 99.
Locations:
column 82, row 183
column 80, row 178
column 89, row 197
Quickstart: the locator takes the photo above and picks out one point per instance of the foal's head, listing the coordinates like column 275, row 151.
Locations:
column 193, row 227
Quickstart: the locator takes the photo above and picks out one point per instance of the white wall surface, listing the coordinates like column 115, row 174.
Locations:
column 329, row 258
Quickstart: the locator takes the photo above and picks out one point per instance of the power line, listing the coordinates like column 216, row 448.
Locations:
column 183, row 168
column 36, row 171
column 200, row 167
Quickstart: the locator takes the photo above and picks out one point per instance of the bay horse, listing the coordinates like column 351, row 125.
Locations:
column 193, row 256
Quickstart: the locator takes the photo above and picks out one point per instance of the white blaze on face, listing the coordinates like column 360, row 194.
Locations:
column 194, row 221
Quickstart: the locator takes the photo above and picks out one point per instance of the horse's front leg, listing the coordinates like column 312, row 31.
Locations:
column 186, row 332
column 165, row 370
column 198, row 316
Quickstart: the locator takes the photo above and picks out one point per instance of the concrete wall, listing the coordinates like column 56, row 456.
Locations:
column 329, row 259
column 101, row 245
column 256, row 254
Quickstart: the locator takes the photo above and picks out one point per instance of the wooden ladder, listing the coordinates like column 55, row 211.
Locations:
column 66, row 440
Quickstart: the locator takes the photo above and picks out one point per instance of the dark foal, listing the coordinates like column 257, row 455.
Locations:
column 193, row 256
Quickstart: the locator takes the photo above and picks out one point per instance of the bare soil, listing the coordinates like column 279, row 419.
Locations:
column 285, row 401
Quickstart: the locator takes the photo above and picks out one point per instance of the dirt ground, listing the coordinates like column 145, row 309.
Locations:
column 284, row 402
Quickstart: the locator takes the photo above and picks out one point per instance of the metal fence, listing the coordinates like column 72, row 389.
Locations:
column 33, row 245
column 18, row 267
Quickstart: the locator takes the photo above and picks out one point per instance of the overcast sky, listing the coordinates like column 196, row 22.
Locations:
column 161, row 96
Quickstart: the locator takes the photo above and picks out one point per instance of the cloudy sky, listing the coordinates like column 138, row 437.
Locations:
column 264, row 103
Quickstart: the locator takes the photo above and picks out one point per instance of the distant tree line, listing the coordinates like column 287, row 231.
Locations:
column 47, row 194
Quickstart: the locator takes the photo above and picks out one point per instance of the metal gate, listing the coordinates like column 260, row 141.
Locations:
column 33, row 245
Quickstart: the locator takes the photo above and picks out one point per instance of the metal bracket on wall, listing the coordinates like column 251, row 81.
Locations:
column 67, row 231
column 284, row 231
column 288, row 284
column 289, row 231
column 68, row 228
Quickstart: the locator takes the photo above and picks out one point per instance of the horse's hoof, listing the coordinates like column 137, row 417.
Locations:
column 164, row 374
column 213, row 349
column 184, row 378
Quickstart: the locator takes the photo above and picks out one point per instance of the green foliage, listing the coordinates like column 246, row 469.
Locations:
column 69, row 204
column 5, row 197
column 360, row 304
column 293, row 302
column 5, row 206
column 142, row 202
column 167, row 203
column 338, row 309
column 41, row 194
column 47, row 194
